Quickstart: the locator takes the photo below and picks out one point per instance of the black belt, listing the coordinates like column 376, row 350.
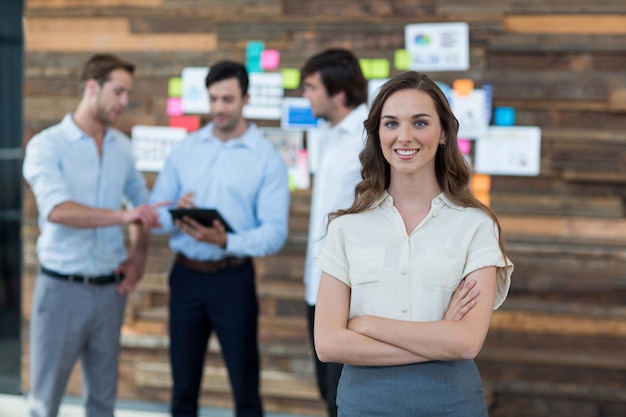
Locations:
column 84, row 279
column 211, row 267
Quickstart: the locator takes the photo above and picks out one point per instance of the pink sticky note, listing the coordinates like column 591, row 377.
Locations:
column 465, row 146
column 174, row 106
column 270, row 58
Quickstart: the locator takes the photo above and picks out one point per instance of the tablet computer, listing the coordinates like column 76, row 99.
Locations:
column 203, row 216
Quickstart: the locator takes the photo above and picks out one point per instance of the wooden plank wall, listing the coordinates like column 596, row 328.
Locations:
column 557, row 346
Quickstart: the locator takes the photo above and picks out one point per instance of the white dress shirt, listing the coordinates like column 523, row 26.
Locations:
column 338, row 172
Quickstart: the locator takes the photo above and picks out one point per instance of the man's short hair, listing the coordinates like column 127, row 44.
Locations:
column 340, row 71
column 224, row 70
column 100, row 66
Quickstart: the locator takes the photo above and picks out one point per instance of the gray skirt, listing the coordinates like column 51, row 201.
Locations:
column 430, row 389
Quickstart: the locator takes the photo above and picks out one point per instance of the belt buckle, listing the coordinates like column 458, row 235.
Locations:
column 86, row 279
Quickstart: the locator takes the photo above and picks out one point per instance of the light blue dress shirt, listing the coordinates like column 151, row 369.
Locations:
column 62, row 164
column 244, row 178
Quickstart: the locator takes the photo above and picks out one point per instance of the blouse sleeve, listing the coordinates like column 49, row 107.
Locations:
column 332, row 258
column 485, row 251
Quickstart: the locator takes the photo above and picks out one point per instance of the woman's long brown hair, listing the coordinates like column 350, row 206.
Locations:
column 451, row 169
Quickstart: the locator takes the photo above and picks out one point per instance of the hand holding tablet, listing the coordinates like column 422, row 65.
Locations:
column 204, row 216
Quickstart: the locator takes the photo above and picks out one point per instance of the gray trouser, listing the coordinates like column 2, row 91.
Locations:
column 71, row 321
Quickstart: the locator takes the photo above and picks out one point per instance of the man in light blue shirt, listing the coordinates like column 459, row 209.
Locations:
column 228, row 166
column 81, row 172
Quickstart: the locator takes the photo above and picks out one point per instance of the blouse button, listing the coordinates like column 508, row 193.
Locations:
column 404, row 309
column 403, row 271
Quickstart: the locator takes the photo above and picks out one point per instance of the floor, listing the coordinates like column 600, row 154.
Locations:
column 15, row 406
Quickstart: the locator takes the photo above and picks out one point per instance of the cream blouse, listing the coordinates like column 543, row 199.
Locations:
column 411, row 277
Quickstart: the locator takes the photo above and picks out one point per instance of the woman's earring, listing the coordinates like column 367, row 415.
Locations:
column 443, row 145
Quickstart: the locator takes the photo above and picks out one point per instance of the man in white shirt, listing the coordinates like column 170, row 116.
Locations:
column 335, row 86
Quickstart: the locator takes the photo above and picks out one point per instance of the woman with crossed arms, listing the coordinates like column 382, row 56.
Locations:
column 393, row 260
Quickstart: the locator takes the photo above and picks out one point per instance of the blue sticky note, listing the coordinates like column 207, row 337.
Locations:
column 446, row 89
column 253, row 65
column 254, row 48
column 504, row 116
column 488, row 89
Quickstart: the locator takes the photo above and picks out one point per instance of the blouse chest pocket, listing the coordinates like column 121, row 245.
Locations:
column 365, row 266
column 442, row 268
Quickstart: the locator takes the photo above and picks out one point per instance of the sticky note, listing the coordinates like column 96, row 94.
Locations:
column 481, row 182
column 291, row 178
column 270, row 58
column 174, row 106
column 465, row 146
column 481, row 186
column 302, row 178
column 463, row 86
column 254, row 65
column 175, row 87
column 504, row 116
column 374, row 68
column 488, row 89
column 379, row 68
column 445, row 88
column 191, row 123
column 402, row 59
column 365, row 67
column 254, row 48
column 291, row 78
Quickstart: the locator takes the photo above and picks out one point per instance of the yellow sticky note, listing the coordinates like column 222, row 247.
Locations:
column 365, row 67
column 379, row 68
column 402, row 59
column 292, row 181
column 374, row 68
column 175, row 87
column 291, row 78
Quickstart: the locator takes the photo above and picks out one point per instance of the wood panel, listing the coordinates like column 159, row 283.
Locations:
column 358, row 8
column 570, row 24
column 556, row 346
column 561, row 43
column 89, row 34
column 170, row 24
column 575, row 228
column 88, row 4
column 617, row 101
column 566, row 326
column 530, row 7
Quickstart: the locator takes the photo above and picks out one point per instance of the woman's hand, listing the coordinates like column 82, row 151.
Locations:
column 463, row 300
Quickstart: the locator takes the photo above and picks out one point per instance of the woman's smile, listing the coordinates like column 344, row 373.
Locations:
column 406, row 153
